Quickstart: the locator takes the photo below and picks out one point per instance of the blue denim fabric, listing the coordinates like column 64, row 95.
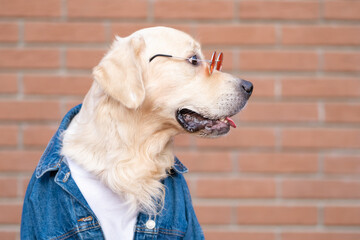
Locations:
column 54, row 207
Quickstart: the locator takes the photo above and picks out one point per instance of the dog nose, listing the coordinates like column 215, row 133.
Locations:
column 247, row 87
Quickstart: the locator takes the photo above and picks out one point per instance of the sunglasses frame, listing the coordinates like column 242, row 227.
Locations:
column 217, row 64
column 212, row 64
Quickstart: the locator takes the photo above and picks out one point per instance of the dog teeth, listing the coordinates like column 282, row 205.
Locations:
column 224, row 120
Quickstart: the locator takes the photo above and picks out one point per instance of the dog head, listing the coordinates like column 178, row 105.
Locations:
column 154, row 72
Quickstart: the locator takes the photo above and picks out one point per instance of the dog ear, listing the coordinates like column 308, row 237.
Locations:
column 120, row 73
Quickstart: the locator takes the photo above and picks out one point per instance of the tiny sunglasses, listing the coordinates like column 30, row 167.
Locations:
column 213, row 64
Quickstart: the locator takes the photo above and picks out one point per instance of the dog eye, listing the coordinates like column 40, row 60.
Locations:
column 194, row 60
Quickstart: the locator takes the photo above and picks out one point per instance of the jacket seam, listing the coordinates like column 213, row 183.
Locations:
column 162, row 230
column 171, row 232
column 40, row 170
column 76, row 230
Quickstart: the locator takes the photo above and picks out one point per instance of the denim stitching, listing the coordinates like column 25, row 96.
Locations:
column 76, row 230
column 162, row 230
column 139, row 231
column 39, row 170
column 55, row 140
column 172, row 232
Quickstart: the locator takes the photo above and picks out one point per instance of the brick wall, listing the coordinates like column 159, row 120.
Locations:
column 290, row 171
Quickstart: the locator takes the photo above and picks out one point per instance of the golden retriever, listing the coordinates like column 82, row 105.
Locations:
column 139, row 101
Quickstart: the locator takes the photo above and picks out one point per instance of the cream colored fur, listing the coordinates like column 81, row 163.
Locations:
column 124, row 131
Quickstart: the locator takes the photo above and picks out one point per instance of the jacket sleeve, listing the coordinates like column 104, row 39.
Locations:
column 194, row 231
column 27, row 231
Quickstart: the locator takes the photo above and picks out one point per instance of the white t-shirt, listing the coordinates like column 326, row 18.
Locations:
column 109, row 208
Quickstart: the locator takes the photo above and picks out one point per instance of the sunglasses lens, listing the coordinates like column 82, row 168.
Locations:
column 212, row 63
column 219, row 61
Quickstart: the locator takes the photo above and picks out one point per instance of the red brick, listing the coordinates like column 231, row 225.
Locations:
column 188, row 9
column 25, row 8
column 280, row 112
column 29, row 110
column 8, row 135
column 271, row 60
column 72, row 103
column 320, row 236
column 84, row 58
column 236, row 34
column 261, row 169
column 344, row 10
column 10, row 213
column 214, row 214
column 8, row 187
column 57, row 85
column 342, row 215
column 65, row 32
column 29, row 58
column 265, row 86
column 8, row 235
column 320, row 87
column 126, row 29
column 321, row 138
column 38, row 135
column 342, row 61
column 322, row 189
column 235, row 188
column 278, row 162
column 320, row 35
column 19, row 161
column 24, row 185
column 107, row 9
column 342, row 112
column 191, row 182
column 242, row 137
column 277, row 215
column 183, row 140
column 8, row 32
column 231, row 235
column 8, row 83
column 206, row 161
column 297, row 10
column 342, row 164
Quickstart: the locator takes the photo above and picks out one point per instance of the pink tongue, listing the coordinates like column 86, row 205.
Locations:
column 231, row 122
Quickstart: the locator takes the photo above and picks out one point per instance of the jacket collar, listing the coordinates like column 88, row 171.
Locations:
column 52, row 158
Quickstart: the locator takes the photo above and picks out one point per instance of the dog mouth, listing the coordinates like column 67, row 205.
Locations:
column 194, row 122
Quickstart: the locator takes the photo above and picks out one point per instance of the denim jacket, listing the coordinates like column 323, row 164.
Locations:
column 55, row 209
